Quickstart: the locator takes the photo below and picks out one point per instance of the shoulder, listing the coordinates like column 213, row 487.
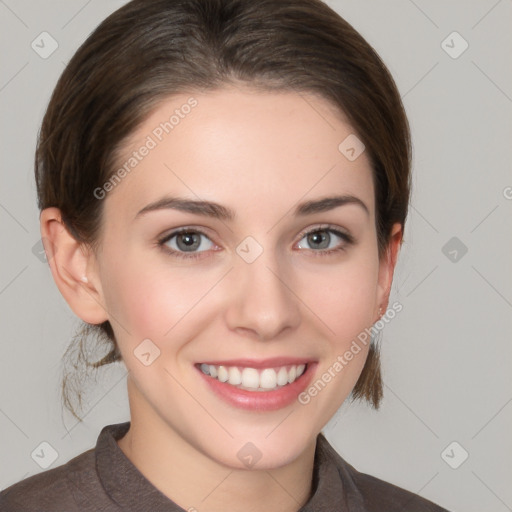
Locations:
column 58, row 489
column 377, row 493
column 374, row 494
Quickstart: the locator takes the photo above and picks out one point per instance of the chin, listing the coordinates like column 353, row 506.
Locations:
column 259, row 450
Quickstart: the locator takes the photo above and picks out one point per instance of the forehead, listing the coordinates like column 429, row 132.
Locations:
column 250, row 150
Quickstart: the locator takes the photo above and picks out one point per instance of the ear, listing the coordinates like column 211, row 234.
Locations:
column 386, row 269
column 73, row 267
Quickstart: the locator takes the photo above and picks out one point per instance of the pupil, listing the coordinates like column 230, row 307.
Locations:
column 188, row 240
column 318, row 237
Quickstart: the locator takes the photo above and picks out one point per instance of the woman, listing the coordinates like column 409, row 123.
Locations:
column 223, row 188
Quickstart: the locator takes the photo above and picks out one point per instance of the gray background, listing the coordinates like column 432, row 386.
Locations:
column 446, row 356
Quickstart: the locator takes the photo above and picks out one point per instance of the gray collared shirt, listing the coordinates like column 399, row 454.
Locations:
column 104, row 479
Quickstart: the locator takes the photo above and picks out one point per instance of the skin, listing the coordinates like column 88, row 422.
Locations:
column 258, row 153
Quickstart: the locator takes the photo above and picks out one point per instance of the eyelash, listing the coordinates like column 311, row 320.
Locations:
column 349, row 240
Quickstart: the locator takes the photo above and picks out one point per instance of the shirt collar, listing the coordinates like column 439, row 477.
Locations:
column 332, row 484
column 122, row 481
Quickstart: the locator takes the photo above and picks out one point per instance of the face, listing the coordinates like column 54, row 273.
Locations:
column 273, row 292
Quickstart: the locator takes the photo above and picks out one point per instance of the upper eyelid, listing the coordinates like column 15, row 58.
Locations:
column 326, row 227
column 185, row 229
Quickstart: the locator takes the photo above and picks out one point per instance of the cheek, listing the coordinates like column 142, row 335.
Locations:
column 343, row 298
column 151, row 301
column 344, row 301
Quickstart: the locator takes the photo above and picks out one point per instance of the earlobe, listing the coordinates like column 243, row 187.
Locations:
column 387, row 267
column 70, row 263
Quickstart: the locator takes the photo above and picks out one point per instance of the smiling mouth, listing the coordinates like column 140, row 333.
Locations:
column 252, row 379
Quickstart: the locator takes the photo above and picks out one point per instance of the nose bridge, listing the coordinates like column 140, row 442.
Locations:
column 262, row 300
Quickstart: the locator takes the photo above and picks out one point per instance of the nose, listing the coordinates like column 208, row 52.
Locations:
column 263, row 302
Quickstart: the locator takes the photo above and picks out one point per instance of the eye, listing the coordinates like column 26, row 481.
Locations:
column 321, row 238
column 187, row 240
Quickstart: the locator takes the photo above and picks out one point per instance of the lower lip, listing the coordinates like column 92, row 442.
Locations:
column 261, row 400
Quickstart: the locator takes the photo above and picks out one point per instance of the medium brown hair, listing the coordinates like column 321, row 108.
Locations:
column 149, row 50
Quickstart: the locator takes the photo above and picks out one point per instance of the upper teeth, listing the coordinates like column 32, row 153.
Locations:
column 253, row 379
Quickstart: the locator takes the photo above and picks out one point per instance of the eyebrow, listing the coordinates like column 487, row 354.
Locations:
column 218, row 211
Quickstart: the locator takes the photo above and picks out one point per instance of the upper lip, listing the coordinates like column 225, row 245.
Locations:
column 272, row 362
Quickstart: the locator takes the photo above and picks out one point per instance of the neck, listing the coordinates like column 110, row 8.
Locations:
column 196, row 482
